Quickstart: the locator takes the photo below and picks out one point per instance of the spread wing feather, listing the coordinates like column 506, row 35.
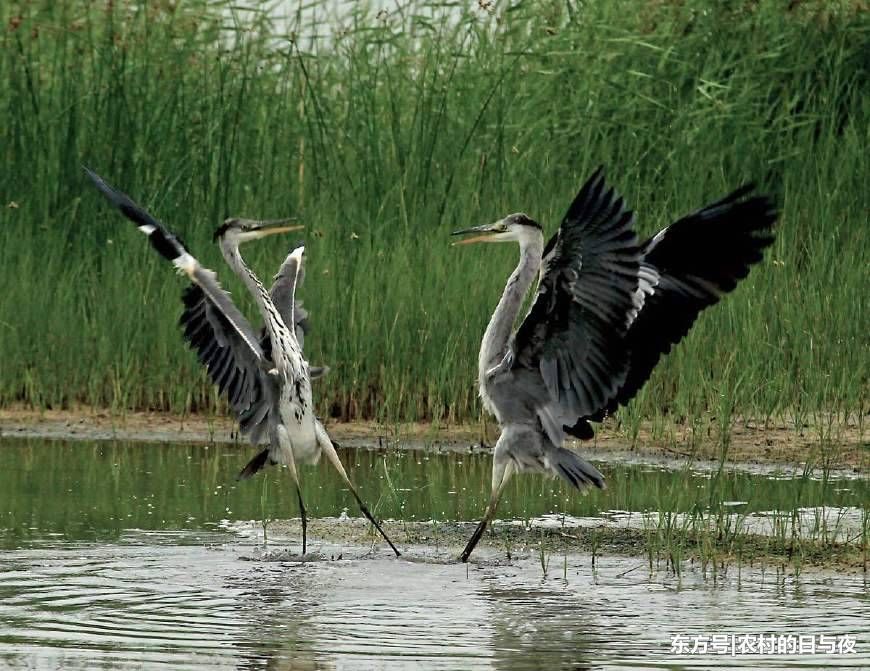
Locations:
column 214, row 328
column 588, row 290
column 239, row 375
column 288, row 279
column 698, row 259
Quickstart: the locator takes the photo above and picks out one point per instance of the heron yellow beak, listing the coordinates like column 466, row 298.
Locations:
column 266, row 228
column 279, row 229
column 490, row 231
column 476, row 238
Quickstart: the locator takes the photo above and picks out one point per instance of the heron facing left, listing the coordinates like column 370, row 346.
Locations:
column 265, row 378
column 606, row 309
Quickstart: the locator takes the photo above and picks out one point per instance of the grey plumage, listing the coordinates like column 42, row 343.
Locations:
column 266, row 379
column 290, row 275
column 570, row 340
column 606, row 308
column 233, row 365
column 250, row 391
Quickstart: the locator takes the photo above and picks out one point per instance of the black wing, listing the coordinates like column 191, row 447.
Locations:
column 588, row 292
column 221, row 335
column 699, row 259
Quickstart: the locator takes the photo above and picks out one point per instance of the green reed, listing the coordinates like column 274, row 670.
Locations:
column 383, row 134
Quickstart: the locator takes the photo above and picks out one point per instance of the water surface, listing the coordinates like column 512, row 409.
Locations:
column 140, row 556
column 88, row 491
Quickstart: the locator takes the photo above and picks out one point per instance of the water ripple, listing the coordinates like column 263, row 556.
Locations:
column 183, row 601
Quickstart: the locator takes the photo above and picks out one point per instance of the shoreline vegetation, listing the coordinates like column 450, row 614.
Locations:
column 385, row 130
column 673, row 550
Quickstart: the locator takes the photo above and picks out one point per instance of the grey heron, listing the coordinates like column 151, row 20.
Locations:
column 607, row 308
column 266, row 379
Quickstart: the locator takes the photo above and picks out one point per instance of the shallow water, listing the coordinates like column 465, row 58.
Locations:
column 185, row 600
column 120, row 556
column 98, row 490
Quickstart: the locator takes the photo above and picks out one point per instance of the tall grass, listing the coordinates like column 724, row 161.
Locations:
column 386, row 132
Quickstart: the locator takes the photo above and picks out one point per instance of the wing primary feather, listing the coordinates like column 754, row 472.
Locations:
column 688, row 267
column 211, row 324
column 166, row 243
column 586, row 299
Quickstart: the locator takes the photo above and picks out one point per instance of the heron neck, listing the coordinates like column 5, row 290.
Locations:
column 498, row 332
column 264, row 301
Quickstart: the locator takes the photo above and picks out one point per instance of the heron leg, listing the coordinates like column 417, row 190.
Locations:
column 291, row 466
column 304, row 519
column 328, row 449
column 499, row 480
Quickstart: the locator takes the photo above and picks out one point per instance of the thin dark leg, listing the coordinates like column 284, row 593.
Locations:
column 473, row 541
column 508, row 470
column 370, row 517
column 304, row 520
column 329, row 449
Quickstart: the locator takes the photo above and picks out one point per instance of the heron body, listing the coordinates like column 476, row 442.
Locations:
column 293, row 435
column 514, row 394
column 494, row 346
column 607, row 307
column 265, row 379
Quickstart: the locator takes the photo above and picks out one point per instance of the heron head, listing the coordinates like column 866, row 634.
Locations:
column 513, row 228
column 237, row 231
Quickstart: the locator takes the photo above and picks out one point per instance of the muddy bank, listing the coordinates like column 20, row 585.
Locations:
column 836, row 446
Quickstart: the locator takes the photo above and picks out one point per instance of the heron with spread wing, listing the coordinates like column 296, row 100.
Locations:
column 607, row 308
column 264, row 377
